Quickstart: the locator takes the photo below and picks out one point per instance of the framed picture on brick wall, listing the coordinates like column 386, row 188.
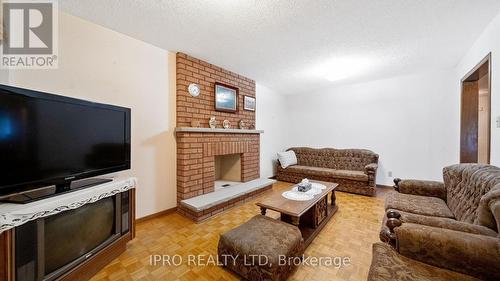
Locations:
column 226, row 97
column 249, row 103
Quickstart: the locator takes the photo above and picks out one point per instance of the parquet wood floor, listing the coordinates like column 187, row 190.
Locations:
column 350, row 233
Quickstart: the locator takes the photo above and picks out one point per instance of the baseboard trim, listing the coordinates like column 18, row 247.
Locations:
column 155, row 215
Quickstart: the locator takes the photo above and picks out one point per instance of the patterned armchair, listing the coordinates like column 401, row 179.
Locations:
column 452, row 225
column 389, row 265
column 355, row 170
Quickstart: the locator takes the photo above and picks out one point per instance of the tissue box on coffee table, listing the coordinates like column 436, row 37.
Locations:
column 304, row 185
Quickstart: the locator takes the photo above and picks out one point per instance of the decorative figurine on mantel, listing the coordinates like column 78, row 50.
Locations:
column 226, row 124
column 242, row 125
column 212, row 122
column 251, row 126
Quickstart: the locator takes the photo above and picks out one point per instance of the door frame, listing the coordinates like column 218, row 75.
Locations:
column 466, row 77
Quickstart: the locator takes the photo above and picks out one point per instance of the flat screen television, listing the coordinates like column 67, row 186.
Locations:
column 50, row 143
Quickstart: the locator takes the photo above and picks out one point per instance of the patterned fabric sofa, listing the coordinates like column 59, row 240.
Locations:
column 452, row 225
column 354, row 170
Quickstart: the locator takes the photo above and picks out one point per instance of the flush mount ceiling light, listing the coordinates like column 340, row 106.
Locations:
column 342, row 68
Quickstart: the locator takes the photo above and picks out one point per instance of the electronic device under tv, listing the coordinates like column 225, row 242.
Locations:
column 54, row 247
column 51, row 144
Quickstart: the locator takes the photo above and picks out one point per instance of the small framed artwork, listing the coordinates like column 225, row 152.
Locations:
column 249, row 103
column 226, row 97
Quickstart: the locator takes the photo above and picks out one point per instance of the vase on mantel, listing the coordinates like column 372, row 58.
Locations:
column 212, row 122
column 242, row 125
column 226, row 124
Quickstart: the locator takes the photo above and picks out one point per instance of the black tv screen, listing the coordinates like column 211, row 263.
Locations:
column 48, row 140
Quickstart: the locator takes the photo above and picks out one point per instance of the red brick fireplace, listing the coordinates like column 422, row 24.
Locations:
column 197, row 147
column 196, row 153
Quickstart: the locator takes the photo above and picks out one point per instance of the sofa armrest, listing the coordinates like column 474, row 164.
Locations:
column 472, row 254
column 278, row 166
column 371, row 168
column 371, row 171
column 495, row 209
column 421, row 187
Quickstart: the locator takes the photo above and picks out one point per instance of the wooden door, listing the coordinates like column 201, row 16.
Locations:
column 469, row 123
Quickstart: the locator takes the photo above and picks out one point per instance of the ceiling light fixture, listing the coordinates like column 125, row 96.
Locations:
column 342, row 68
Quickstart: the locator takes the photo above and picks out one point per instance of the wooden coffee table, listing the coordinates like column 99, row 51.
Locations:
column 309, row 216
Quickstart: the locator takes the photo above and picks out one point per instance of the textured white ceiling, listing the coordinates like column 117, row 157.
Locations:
column 280, row 43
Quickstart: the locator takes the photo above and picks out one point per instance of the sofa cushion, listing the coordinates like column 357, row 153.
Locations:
column 421, row 205
column 287, row 158
column 470, row 254
column 325, row 172
column 465, row 185
column 388, row 265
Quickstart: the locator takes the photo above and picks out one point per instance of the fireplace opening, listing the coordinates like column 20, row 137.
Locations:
column 227, row 170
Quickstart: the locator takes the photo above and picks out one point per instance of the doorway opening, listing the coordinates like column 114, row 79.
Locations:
column 475, row 119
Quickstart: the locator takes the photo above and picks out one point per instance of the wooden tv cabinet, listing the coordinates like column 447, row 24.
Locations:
column 85, row 269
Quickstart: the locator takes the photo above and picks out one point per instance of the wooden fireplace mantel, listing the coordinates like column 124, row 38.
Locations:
column 217, row 130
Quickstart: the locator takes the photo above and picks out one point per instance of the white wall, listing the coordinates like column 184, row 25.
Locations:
column 412, row 121
column 488, row 41
column 272, row 117
column 105, row 66
column 408, row 120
